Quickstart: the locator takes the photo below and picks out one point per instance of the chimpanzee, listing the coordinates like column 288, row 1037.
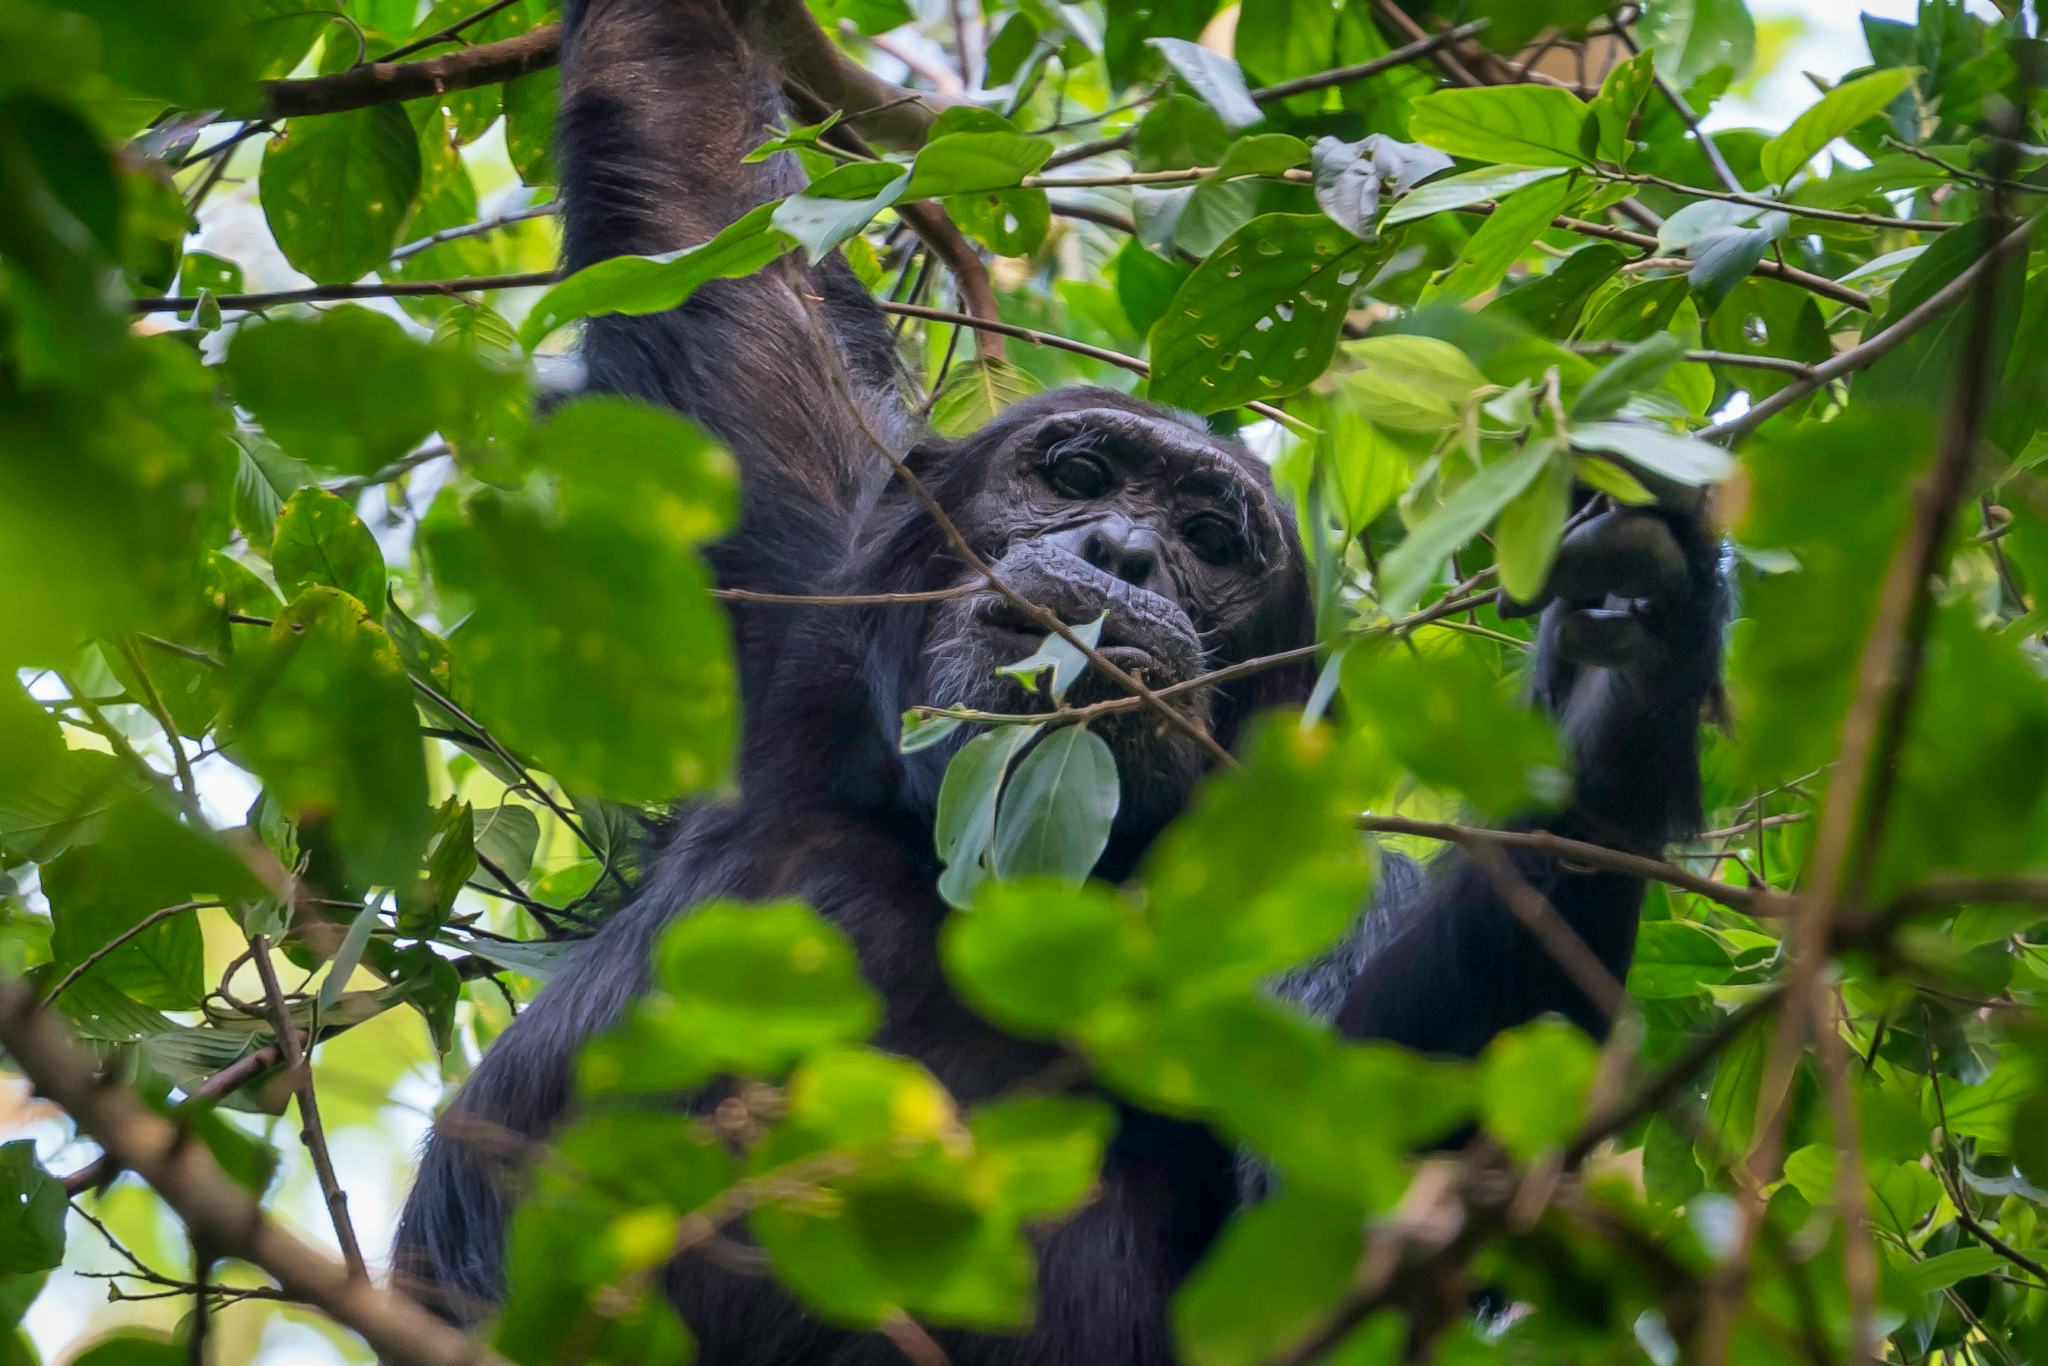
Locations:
column 1087, row 502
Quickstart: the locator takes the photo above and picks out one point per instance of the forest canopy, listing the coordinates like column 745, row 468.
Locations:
column 353, row 659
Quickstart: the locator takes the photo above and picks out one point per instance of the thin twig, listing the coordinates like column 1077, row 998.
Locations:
column 1749, row 900
column 140, row 927
column 299, row 1069
column 1427, row 46
column 1758, row 201
column 413, row 248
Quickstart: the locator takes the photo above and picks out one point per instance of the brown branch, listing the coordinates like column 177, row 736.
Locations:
column 1723, row 172
column 299, row 1068
column 388, row 289
column 450, row 33
column 382, row 82
column 1749, row 900
column 1427, row 46
column 229, row 1079
column 843, row 599
column 1549, row 929
column 785, row 30
column 213, row 1207
column 1757, row 201
column 1782, row 364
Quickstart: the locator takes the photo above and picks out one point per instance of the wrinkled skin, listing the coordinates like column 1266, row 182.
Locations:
column 1084, row 501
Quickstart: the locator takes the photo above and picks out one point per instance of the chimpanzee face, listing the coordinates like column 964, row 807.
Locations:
column 1096, row 506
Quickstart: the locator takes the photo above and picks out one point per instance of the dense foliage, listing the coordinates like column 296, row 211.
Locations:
column 346, row 678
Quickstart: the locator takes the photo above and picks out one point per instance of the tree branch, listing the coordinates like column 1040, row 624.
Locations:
column 311, row 1134
column 382, row 82
column 213, row 1207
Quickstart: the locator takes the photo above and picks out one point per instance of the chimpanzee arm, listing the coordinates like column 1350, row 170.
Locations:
column 661, row 100
column 1628, row 658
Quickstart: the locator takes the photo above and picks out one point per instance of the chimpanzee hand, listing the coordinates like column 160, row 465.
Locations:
column 1628, row 657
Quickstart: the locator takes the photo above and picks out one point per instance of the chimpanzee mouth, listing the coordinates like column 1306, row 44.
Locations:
column 1151, row 649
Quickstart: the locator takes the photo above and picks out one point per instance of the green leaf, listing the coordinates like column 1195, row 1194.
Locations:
column 975, row 392
column 107, row 504
column 1445, row 712
column 1057, row 808
column 1520, row 125
column 532, row 104
column 1056, row 656
column 839, row 204
column 1408, row 568
column 1622, row 92
column 1836, row 113
column 1213, row 76
column 264, row 477
column 1261, row 317
column 1527, row 535
column 595, row 559
column 321, row 541
column 147, row 860
column 1040, row 1155
column 325, row 717
column 49, row 794
column 1919, row 371
column 1459, row 191
column 1411, row 383
column 1689, row 38
column 1721, row 260
column 32, row 1209
column 1503, row 238
column 964, row 828
column 969, row 163
column 337, row 189
column 1275, row 1275
column 1534, row 1084
column 349, row 389
column 1266, row 869
column 1638, row 368
column 508, row 835
column 755, row 988
column 1037, row 956
column 1684, row 459
column 655, row 284
column 1349, row 176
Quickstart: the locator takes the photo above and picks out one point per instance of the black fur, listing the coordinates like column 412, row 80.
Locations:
column 661, row 98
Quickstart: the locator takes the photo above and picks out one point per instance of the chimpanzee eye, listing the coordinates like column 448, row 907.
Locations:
column 1078, row 475
column 1212, row 538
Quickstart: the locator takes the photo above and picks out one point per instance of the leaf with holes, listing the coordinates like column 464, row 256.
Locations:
column 1261, row 317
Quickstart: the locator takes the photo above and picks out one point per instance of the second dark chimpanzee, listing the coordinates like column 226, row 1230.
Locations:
column 1087, row 502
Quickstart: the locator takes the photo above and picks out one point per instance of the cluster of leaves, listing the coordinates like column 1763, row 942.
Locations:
column 323, row 635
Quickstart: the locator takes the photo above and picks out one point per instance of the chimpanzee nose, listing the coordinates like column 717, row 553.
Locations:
column 1116, row 545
